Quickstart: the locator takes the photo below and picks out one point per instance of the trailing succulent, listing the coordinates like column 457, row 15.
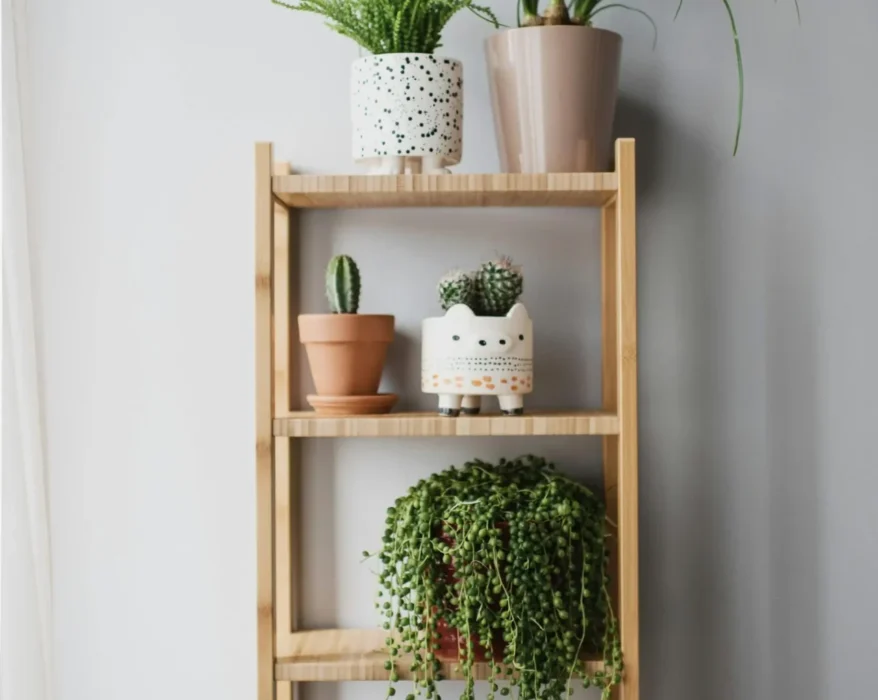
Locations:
column 513, row 557
column 343, row 285
column 391, row 26
column 492, row 290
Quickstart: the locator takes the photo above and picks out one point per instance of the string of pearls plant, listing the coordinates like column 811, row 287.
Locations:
column 514, row 557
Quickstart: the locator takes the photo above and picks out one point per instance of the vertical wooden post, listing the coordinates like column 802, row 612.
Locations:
column 626, row 382
column 264, row 428
column 286, row 463
column 610, row 386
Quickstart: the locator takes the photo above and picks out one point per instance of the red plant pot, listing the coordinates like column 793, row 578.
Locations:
column 451, row 641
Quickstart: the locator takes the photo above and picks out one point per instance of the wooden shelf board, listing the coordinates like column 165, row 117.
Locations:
column 493, row 190
column 308, row 424
column 354, row 655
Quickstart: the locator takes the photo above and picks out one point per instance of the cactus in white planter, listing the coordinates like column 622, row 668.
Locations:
column 483, row 345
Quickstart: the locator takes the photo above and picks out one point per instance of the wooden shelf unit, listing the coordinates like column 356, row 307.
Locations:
column 285, row 655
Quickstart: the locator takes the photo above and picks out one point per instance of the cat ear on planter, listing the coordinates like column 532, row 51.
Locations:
column 461, row 311
column 518, row 312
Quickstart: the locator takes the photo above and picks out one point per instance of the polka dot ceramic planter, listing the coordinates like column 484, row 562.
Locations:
column 407, row 112
column 465, row 357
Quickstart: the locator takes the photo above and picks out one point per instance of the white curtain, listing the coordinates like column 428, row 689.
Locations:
column 26, row 605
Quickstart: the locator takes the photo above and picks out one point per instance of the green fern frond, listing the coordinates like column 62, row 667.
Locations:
column 391, row 26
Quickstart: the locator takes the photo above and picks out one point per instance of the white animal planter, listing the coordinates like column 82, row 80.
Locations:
column 465, row 357
column 407, row 112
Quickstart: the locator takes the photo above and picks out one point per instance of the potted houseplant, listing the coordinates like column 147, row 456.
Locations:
column 511, row 567
column 554, row 82
column 483, row 345
column 346, row 350
column 406, row 102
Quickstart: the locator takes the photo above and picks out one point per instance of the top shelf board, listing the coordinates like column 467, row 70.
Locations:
column 495, row 190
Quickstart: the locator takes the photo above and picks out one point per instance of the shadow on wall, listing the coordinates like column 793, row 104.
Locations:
column 723, row 617
column 796, row 523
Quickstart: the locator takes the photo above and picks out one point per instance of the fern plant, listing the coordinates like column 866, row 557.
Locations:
column 584, row 11
column 391, row 26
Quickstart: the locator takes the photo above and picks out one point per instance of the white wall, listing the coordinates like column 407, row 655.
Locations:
column 758, row 333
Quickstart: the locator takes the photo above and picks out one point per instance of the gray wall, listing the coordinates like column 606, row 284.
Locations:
column 757, row 336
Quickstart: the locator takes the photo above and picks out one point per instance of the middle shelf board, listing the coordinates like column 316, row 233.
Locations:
column 306, row 424
column 355, row 655
column 451, row 190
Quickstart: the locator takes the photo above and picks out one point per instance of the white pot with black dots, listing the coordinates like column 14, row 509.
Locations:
column 465, row 357
column 407, row 112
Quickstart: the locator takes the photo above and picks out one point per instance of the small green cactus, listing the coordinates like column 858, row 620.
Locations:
column 343, row 285
column 499, row 283
column 457, row 287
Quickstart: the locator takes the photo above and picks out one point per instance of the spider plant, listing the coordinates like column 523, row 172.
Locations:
column 583, row 12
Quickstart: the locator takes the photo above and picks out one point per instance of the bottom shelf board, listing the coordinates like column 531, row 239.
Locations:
column 355, row 655
column 307, row 424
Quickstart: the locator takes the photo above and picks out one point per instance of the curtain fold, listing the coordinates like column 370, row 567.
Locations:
column 26, row 633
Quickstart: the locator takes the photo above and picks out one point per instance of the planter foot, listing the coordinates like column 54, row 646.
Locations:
column 449, row 405
column 471, row 405
column 432, row 165
column 512, row 405
column 389, row 165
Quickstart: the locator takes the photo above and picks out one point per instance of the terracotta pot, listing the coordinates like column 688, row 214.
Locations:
column 553, row 92
column 451, row 641
column 346, row 352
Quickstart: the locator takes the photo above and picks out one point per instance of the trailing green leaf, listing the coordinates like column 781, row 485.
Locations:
column 513, row 557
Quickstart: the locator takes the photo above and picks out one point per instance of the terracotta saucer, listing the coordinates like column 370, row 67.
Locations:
column 352, row 405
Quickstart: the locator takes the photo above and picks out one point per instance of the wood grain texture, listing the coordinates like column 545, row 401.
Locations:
column 609, row 383
column 285, row 463
column 503, row 189
column 308, row 424
column 355, row 655
column 610, row 391
column 626, row 380
column 264, row 439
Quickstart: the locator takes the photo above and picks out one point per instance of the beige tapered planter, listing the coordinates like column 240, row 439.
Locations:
column 553, row 92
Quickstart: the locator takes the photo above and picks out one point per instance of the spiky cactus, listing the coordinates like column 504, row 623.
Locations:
column 343, row 285
column 457, row 287
column 499, row 283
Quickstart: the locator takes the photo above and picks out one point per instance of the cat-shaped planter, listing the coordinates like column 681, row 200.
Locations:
column 465, row 357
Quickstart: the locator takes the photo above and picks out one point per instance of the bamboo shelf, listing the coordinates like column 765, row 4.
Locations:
column 305, row 424
column 501, row 190
column 286, row 655
column 355, row 655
